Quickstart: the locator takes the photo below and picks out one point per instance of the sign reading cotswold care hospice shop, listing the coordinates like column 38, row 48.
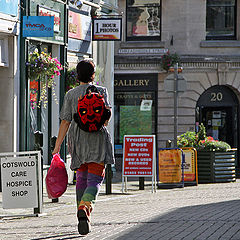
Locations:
column 109, row 29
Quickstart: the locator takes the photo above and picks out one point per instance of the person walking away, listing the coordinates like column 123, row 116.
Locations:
column 90, row 151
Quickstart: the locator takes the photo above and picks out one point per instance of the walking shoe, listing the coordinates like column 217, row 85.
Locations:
column 84, row 226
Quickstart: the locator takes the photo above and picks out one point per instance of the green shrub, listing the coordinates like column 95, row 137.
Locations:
column 209, row 144
column 188, row 139
column 201, row 142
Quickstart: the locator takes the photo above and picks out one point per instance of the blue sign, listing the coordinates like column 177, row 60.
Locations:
column 9, row 7
column 38, row 26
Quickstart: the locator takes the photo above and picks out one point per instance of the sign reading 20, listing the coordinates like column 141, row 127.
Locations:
column 216, row 97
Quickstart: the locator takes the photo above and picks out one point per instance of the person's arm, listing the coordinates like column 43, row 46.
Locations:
column 61, row 135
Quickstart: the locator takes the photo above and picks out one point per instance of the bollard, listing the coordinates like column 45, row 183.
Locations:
column 168, row 144
column 38, row 144
column 52, row 146
column 141, row 183
column 108, row 179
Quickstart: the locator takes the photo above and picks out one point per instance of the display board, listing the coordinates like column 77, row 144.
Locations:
column 170, row 166
column 21, row 180
column 139, row 156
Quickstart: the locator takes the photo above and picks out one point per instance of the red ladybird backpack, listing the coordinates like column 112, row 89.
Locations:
column 91, row 111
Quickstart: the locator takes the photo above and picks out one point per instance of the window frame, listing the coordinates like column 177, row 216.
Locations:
column 224, row 37
column 144, row 38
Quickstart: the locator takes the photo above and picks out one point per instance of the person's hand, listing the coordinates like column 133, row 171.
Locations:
column 106, row 123
column 56, row 150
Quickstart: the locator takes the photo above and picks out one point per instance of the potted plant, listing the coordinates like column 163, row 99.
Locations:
column 42, row 69
column 215, row 159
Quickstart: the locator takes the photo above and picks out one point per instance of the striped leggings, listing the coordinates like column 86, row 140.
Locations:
column 89, row 180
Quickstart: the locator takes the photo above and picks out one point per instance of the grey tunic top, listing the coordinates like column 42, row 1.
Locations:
column 84, row 146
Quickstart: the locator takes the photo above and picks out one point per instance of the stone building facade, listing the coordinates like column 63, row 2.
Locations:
column 206, row 36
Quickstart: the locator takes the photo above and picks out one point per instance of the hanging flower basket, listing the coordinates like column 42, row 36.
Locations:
column 169, row 60
column 42, row 68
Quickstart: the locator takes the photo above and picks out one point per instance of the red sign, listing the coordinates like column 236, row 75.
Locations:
column 138, row 156
column 42, row 11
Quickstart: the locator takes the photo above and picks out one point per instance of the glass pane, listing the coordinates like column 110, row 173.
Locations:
column 131, row 118
column 221, row 3
column 44, row 129
column 143, row 2
column 143, row 21
column 220, row 21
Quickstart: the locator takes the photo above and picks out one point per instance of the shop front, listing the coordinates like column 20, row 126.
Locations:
column 42, row 115
column 135, row 108
column 79, row 34
column 9, row 75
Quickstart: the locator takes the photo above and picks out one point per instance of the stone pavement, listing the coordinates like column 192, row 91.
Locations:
column 206, row 211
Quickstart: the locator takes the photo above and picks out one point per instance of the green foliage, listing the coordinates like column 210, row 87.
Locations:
column 202, row 132
column 71, row 79
column 201, row 142
column 209, row 144
column 169, row 60
column 42, row 67
column 188, row 139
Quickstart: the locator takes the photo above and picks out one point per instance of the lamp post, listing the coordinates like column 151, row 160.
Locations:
column 175, row 104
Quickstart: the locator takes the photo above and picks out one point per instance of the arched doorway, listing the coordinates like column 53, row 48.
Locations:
column 218, row 109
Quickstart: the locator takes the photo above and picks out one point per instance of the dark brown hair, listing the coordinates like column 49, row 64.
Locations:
column 85, row 70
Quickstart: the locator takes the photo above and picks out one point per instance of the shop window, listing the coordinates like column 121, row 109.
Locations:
column 134, row 114
column 143, row 20
column 4, row 52
column 221, row 19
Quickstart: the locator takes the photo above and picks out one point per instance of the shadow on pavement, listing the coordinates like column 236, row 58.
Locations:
column 206, row 221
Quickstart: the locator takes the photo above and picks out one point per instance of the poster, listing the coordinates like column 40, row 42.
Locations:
column 169, row 166
column 133, row 121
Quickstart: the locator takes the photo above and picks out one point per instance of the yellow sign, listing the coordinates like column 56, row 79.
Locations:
column 190, row 165
column 169, row 165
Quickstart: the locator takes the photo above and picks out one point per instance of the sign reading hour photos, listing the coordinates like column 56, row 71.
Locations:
column 19, row 182
column 107, row 29
column 138, row 158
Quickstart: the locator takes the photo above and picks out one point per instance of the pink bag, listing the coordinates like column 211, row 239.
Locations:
column 57, row 178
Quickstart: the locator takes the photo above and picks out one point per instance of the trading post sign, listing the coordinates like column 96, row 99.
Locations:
column 108, row 29
column 139, row 155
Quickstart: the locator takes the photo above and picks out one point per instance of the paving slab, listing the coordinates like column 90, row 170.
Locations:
column 206, row 211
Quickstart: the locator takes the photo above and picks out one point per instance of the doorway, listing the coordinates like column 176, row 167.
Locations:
column 39, row 116
column 219, row 123
column 218, row 109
